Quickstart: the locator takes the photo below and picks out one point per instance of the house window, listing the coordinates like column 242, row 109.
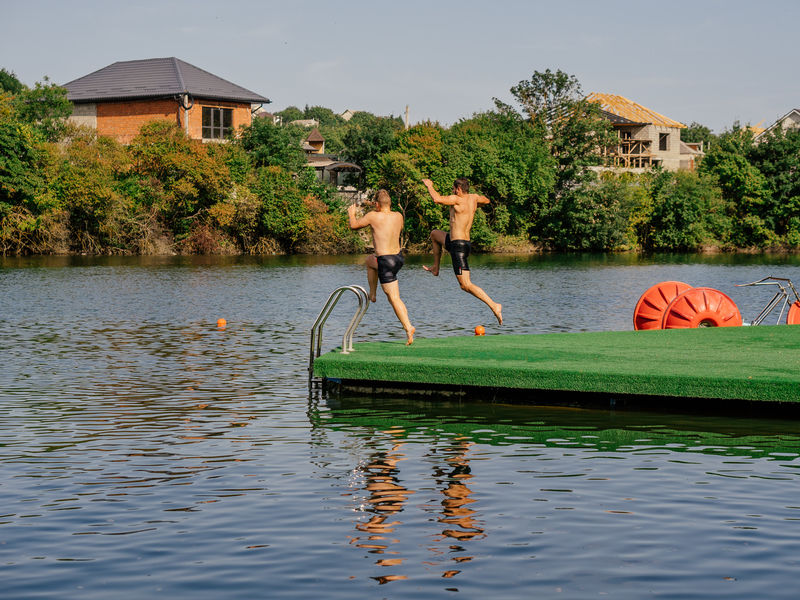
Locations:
column 663, row 142
column 217, row 122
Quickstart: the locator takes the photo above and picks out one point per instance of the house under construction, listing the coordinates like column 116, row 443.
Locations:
column 646, row 138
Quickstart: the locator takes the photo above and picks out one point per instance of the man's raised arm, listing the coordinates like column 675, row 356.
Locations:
column 354, row 222
column 448, row 200
column 483, row 200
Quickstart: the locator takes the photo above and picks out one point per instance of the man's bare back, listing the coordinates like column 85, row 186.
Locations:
column 386, row 227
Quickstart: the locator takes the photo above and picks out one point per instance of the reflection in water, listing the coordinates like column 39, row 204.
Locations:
column 386, row 499
column 457, row 515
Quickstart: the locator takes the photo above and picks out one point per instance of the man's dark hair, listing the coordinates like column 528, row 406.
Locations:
column 462, row 184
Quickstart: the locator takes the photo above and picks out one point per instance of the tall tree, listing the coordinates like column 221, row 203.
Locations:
column 576, row 135
column 696, row 132
column 9, row 82
column 45, row 107
column 576, row 131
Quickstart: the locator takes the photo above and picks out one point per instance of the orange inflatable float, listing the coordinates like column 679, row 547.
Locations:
column 701, row 307
column 649, row 311
column 793, row 316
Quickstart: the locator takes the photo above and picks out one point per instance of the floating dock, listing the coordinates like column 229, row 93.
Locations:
column 758, row 363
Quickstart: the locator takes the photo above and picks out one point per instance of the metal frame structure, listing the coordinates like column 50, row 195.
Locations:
column 781, row 294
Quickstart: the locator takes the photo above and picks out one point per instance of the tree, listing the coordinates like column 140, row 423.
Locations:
column 324, row 116
column 9, row 82
column 20, row 178
column 777, row 158
column 687, row 212
column 289, row 114
column 577, row 133
column 506, row 160
column 576, row 136
column 744, row 188
column 367, row 137
column 182, row 177
column 284, row 214
column 273, row 145
column 698, row 133
column 45, row 107
column 598, row 215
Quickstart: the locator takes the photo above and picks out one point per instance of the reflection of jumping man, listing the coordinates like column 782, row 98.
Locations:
column 462, row 212
column 387, row 260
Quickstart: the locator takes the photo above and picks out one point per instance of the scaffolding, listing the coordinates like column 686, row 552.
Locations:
column 631, row 153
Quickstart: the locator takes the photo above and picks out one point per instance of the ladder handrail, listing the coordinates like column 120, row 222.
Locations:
column 347, row 338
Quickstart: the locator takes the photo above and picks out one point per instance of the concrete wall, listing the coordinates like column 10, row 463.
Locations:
column 84, row 114
column 671, row 157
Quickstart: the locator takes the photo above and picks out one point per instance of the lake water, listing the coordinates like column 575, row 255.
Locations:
column 146, row 453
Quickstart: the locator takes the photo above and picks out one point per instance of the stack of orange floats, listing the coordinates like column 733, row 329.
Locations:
column 677, row 305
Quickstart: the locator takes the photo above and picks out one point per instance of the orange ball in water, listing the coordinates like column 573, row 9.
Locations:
column 479, row 330
column 221, row 322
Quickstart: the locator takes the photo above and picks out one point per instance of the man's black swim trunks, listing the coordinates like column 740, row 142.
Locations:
column 388, row 266
column 459, row 251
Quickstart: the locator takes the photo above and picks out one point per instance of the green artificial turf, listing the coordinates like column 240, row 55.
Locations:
column 742, row 363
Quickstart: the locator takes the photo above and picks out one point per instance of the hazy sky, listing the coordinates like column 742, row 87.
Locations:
column 710, row 61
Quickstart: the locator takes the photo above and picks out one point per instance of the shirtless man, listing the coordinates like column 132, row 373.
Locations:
column 462, row 212
column 387, row 260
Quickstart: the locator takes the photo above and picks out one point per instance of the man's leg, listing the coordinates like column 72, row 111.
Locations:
column 469, row 287
column 372, row 276
column 437, row 237
column 392, row 291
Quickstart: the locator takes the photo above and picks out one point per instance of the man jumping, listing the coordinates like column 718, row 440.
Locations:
column 462, row 212
column 387, row 260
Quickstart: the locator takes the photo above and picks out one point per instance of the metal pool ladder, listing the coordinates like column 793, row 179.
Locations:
column 347, row 338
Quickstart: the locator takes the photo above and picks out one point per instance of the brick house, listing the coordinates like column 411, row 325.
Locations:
column 118, row 99
column 646, row 138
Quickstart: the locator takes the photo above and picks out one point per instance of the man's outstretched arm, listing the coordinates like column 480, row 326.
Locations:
column 483, row 200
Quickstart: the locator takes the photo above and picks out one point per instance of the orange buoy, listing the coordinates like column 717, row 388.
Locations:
column 701, row 307
column 793, row 316
column 221, row 323
column 649, row 311
column 479, row 330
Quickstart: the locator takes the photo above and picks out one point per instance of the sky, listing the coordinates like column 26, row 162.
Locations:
column 714, row 62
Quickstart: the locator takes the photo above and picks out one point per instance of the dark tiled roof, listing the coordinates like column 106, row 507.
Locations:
column 156, row 78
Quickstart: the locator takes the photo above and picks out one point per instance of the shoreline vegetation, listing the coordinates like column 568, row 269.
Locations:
column 65, row 190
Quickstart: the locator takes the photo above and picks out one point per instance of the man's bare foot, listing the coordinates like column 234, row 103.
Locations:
column 410, row 334
column 430, row 270
column 373, row 298
column 498, row 312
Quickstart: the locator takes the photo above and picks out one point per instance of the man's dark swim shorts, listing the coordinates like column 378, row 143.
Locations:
column 459, row 251
column 388, row 266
